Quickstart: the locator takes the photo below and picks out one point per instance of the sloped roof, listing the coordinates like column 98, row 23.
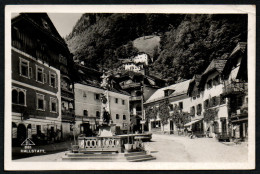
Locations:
column 240, row 46
column 178, row 88
column 217, row 64
column 42, row 20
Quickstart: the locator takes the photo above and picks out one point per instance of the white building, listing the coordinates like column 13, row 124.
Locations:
column 88, row 108
column 211, row 87
column 141, row 58
column 177, row 97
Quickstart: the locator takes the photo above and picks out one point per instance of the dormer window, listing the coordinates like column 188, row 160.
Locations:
column 209, row 84
column 45, row 24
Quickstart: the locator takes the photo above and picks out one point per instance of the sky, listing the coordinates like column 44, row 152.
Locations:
column 64, row 22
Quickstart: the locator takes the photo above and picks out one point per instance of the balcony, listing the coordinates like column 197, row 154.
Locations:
column 235, row 88
column 67, row 115
column 136, row 113
column 131, row 85
column 135, row 98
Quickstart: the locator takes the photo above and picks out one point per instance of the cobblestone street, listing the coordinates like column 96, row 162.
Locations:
column 172, row 148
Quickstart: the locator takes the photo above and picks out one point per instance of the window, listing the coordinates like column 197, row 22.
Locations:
column 53, row 80
column 123, row 102
column 180, row 105
column 206, row 104
column 214, row 101
column 40, row 102
column 209, row 84
column 85, row 112
column 117, row 116
column 216, row 80
column 38, row 128
column 192, row 111
column 124, row 117
column 19, row 96
column 116, row 100
column 14, row 96
column 39, row 74
column 199, row 107
column 24, row 67
column 53, row 104
column 171, row 107
column 98, row 114
column 97, row 96
column 84, row 94
column 222, row 99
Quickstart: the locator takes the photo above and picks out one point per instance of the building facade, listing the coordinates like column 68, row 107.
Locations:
column 89, row 106
column 236, row 91
column 171, row 99
column 36, row 78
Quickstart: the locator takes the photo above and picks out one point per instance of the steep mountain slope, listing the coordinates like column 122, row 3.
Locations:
column 187, row 42
column 147, row 44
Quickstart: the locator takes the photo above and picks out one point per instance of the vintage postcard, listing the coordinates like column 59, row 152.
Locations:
column 129, row 87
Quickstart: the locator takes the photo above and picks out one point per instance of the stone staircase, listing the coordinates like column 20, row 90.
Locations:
column 138, row 156
column 108, row 156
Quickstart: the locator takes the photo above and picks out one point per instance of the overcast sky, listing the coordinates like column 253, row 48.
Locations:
column 64, row 22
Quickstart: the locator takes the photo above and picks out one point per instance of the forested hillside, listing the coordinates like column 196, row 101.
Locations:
column 188, row 42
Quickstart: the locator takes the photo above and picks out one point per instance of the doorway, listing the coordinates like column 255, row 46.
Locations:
column 21, row 133
column 171, row 127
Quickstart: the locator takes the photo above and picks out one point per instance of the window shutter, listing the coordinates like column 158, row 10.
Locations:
column 56, row 81
column 44, row 104
column 50, row 104
column 218, row 100
column 30, row 73
column 44, row 78
column 56, row 105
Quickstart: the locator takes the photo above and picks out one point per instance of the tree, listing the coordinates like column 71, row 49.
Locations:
column 210, row 114
column 150, row 113
column 179, row 117
column 164, row 112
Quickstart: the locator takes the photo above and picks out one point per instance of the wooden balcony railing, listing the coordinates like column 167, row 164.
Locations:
column 134, row 98
column 235, row 88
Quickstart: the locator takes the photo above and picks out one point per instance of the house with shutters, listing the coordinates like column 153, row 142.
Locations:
column 40, row 59
column 215, row 108
column 171, row 99
column 236, row 91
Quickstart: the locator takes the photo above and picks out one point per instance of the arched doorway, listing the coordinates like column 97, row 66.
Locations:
column 21, row 133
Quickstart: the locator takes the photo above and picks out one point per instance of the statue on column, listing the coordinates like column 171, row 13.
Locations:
column 105, row 110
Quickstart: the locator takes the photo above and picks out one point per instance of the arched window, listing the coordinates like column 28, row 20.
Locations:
column 21, row 98
column 117, row 116
column 14, row 96
column 124, row 117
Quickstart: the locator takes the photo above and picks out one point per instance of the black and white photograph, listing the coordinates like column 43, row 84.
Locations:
column 129, row 87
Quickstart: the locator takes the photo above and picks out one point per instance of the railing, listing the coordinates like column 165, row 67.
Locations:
column 136, row 113
column 235, row 87
column 132, row 98
column 67, row 115
column 100, row 144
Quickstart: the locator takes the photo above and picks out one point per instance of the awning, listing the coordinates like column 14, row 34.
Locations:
column 192, row 122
